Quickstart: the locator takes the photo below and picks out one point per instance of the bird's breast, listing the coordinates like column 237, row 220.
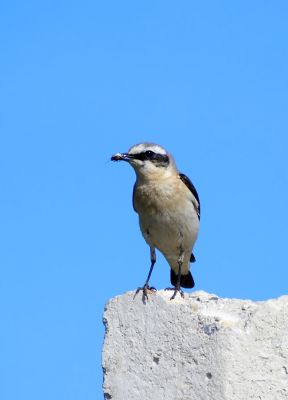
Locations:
column 157, row 197
column 167, row 215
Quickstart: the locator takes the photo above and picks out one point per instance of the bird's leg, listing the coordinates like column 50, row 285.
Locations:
column 177, row 287
column 153, row 261
column 146, row 286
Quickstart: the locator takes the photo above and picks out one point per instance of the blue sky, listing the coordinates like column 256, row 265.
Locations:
column 80, row 81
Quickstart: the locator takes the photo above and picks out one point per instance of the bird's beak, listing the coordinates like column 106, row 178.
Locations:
column 122, row 157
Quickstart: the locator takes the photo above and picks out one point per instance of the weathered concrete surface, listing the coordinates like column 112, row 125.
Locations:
column 198, row 348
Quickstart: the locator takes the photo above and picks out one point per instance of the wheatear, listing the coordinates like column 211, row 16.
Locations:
column 169, row 211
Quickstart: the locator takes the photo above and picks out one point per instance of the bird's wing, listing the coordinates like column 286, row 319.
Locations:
column 133, row 195
column 192, row 189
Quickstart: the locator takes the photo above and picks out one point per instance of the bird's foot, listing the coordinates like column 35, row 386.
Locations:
column 145, row 289
column 176, row 290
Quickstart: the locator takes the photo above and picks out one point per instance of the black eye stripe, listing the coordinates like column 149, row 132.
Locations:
column 140, row 156
column 157, row 158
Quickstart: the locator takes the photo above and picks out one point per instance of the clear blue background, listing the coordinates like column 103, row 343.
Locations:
column 83, row 80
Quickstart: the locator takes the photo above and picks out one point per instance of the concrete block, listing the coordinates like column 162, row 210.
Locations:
column 198, row 348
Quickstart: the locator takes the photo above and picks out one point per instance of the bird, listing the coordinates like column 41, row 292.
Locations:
column 168, row 207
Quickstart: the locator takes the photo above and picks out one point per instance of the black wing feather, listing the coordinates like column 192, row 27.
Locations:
column 192, row 189
column 133, row 202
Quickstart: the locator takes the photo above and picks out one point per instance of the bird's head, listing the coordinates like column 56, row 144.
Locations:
column 148, row 160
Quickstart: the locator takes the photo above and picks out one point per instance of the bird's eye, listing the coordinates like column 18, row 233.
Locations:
column 149, row 153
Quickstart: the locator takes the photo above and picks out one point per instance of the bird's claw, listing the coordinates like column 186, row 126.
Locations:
column 176, row 290
column 146, row 288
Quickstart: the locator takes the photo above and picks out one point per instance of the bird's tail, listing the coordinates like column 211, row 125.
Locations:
column 186, row 281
